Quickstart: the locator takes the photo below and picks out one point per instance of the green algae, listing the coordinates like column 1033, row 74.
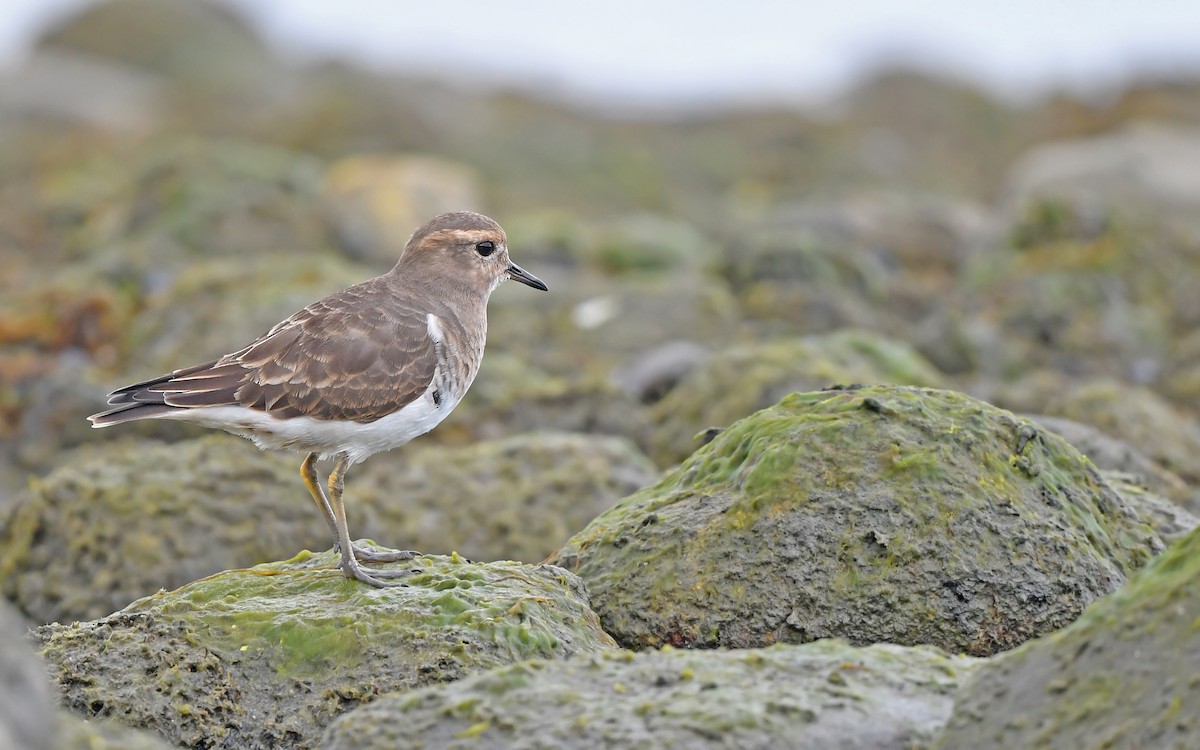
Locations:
column 235, row 645
column 820, row 694
column 878, row 513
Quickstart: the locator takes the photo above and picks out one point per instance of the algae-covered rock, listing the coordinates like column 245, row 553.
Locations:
column 1169, row 520
column 518, row 498
column 124, row 519
column 877, row 514
column 26, row 707
column 746, row 378
column 818, row 695
column 264, row 658
column 1141, row 418
column 1122, row 676
column 75, row 733
column 1112, row 454
column 510, row 395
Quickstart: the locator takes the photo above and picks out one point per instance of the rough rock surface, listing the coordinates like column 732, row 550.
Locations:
column 818, row 695
column 264, row 658
column 1111, row 454
column 75, row 733
column 1122, row 676
column 127, row 518
column 519, row 498
column 26, row 708
column 1169, row 520
column 876, row 514
column 1141, row 418
column 744, row 379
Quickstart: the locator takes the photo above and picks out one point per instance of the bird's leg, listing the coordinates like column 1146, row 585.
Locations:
column 308, row 470
column 350, row 566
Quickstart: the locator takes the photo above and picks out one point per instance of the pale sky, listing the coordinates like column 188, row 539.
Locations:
column 702, row 50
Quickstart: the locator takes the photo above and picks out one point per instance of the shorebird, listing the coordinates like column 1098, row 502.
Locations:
column 362, row 371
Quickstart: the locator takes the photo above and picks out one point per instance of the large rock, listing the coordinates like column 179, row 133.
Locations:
column 749, row 377
column 126, row 518
column 880, row 514
column 377, row 201
column 75, row 733
column 26, row 709
column 1147, row 168
column 1122, row 676
column 819, row 695
column 518, row 498
column 264, row 658
column 1141, row 418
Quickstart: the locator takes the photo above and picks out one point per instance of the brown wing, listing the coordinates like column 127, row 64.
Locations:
column 345, row 357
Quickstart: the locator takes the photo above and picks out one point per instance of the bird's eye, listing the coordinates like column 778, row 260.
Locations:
column 485, row 248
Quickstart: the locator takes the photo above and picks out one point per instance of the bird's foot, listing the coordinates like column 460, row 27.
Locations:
column 372, row 576
column 372, row 556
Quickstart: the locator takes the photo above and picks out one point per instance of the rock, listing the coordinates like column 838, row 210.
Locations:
column 876, row 514
column 377, row 201
column 1122, row 676
column 511, row 396
column 1109, row 453
column 265, row 658
column 125, row 518
column 518, row 498
column 75, row 733
column 651, row 375
column 26, row 708
column 819, row 695
column 1141, row 418
column 1169, row 520
column 192, row 43
column 746, row 378
column 1148, row 168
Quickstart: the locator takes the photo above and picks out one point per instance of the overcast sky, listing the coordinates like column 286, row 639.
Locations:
column 699, row 50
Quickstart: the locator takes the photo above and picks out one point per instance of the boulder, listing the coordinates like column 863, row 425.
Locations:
column 1122, row 676
column 819, row 695
column 266, row 657
column 876, row 514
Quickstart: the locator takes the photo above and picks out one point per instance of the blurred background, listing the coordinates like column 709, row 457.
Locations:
column 728, row 201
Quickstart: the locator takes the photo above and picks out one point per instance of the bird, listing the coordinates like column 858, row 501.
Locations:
column 359, row 372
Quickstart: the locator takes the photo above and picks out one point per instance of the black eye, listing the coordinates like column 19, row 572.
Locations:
column 485, row 248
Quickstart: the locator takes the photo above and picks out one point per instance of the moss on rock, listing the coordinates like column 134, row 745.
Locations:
column 894, row 514
column 519, row 498
column 819, row 695
column 744, row 379
column 265, row 657
column 1122, row 676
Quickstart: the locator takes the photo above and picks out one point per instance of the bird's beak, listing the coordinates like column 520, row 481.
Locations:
column 516, row 273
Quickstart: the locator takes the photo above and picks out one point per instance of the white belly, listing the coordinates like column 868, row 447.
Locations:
column 356, row 439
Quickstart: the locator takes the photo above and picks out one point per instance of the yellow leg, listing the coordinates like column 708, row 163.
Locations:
column 350, row 565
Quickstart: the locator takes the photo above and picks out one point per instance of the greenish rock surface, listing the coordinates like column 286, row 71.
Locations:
column 819, row 695
column 1141, row 418
column 518, row 498
column 744, row 379
column 266, row 657
column 1169, row 520
column 75, row 733
column 1122, row 676
column 126, row 518
column 876, row 514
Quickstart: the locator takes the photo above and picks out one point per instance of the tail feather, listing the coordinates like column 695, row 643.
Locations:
column 148, row 398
